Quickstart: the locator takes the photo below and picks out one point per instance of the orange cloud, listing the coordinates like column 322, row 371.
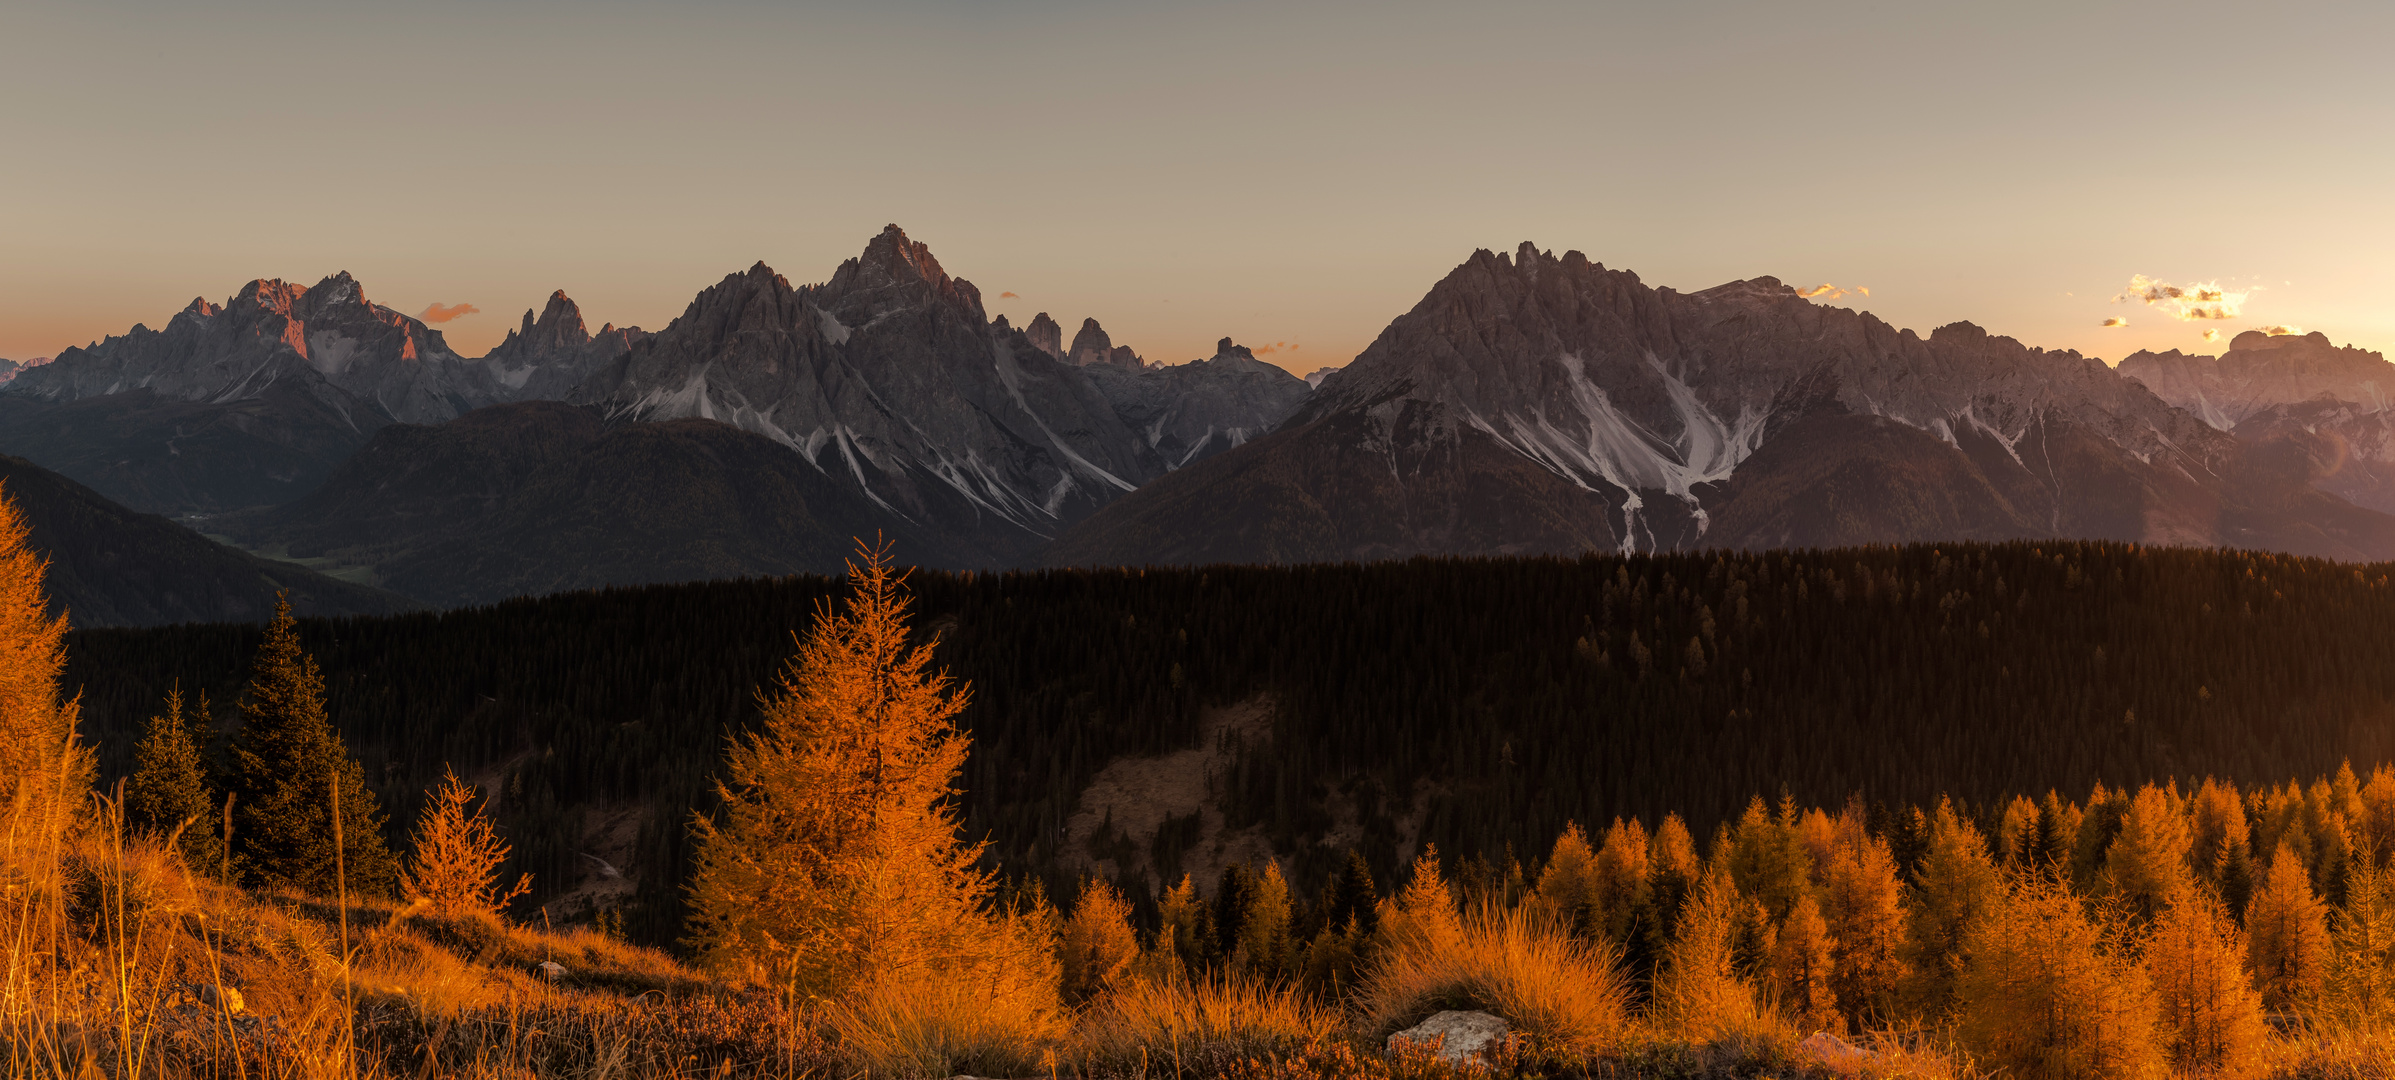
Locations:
column 1008, row 296
column 2212, row 335
column 2184, row 302
column 439, row 313
column 1832, row 292
column 1265, row 350
column 2283, row 331
column 2116, row 321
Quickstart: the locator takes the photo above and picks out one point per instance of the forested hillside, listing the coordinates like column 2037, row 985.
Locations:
column 1512, row 695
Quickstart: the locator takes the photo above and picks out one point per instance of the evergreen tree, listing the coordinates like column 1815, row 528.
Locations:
column 1351, row 898
column 169, row 791
column 835, row 863
column 44, row 772
column 286, row 763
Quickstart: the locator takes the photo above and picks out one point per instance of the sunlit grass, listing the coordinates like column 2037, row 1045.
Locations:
column 1178, row 1026
column 1566, row 996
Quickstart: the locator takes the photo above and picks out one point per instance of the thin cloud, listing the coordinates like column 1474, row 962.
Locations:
column 1008, row 296
column 1825, row 290
column 2187, row 303
column 2283, row 331
column 2212, row 335
column 440, row 313
column 2116, row 321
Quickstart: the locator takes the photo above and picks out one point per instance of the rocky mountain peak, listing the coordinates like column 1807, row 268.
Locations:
column 2263, row 341
column 1092, row 346
column 894, row 273
column 559, row 328
column 1045, row 335
column 200, row 308
column 336, row 290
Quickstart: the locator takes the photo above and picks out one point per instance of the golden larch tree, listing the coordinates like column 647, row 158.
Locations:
column 1862, row 902
column 2211, row 1016
column 1954, row 887
column 1699, row 993
column 2286, row 927
column 2360, row 988
column 1621, row 879
column 1567, row 887
column 835, row 859
column 2147, row 862
column 454, row 859
column 2044, row 995
column 44, row 773
column 1802, row 967
column 1095, row 948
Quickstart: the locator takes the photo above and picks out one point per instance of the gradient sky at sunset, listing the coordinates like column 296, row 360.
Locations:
column 1279, row 172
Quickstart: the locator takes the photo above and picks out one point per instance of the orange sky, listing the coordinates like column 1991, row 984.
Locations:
column 1294, row 173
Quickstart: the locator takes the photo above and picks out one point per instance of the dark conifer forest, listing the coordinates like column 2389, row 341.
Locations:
column 1527, row 693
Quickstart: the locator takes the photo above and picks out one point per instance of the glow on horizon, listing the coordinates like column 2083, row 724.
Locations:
column 1277, row 173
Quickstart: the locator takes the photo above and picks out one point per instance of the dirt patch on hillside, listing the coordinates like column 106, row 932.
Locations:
column 1133, row 799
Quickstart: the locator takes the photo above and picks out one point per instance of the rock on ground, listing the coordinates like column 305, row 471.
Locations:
column 1461, row 1035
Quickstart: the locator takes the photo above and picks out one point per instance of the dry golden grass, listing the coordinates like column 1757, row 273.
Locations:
column 938, row 1028
column 1178, row 1027
column 1565, row 996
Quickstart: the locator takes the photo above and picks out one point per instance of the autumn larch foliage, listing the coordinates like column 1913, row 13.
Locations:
column 834, row 861
column 2044, row 995
column 2211, row 1016
column 44, row 773
column 2287, row 936
column 453, row 865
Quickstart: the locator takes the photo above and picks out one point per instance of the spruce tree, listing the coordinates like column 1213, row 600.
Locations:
column 169, row 790
column 286, row 762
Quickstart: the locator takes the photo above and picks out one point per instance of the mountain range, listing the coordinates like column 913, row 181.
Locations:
column 1529, row 403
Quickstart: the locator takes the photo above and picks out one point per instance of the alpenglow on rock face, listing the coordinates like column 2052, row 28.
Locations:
column 1544, row 404
column 271, row 331
column 2327, row 414
column 891, row 376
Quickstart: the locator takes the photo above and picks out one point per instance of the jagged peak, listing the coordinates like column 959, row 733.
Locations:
column 201, row 308
column 337, row 288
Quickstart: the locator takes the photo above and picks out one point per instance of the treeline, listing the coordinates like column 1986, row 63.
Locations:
column 1520, row 694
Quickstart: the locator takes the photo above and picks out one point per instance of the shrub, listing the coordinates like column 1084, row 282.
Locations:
column 1565, row 996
